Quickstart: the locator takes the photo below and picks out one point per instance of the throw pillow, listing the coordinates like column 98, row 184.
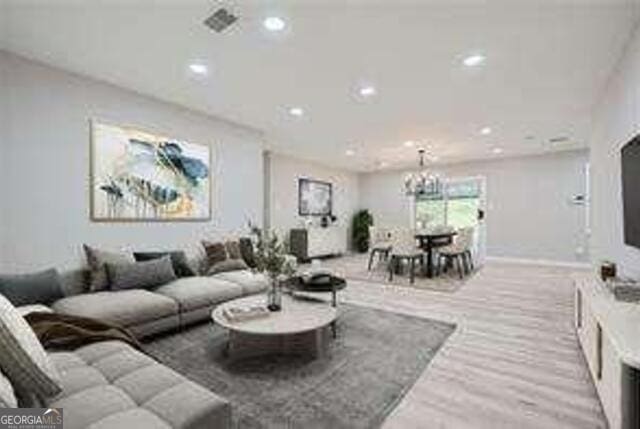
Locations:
column 233, row 249
column 216, row 252
column 36, row 288
column 7, row 397
column 141, row 275
column 246, row 251
column 96, row 259
column 228, row 265
column 23, row 358
column 178, row 259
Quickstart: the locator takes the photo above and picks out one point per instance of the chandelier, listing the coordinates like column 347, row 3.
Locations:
column 422, row 182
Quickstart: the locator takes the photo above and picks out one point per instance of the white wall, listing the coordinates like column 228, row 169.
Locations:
column 616, row 121
column 46, row 202
column 285, row 172
column 4, row 104
column 529, row 214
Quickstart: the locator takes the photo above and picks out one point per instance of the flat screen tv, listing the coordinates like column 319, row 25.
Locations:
column 631, row 191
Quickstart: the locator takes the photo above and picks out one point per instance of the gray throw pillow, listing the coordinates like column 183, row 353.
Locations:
column 181, row 265
column 28, row 289
column 228, row 265
column 7, row 396
column 141, row 275
column 23, row 358
column 96, row 259
column 246, row 251
column 233, row 249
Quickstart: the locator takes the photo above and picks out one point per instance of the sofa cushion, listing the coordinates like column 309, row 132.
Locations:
column 228, row 265
column 197, row 292
column 42, row 287
column 179, row 260
column 141, row 275
column 96, row 259
column 111, row 385
column 249, row 281
column 22, row 357
column 216, row 252
column 247, row 252
column 37, row 308
column 125, row 307
column 233, row 249
column 7, row 397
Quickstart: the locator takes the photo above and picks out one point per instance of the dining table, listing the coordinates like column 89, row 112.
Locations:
column 432, row 239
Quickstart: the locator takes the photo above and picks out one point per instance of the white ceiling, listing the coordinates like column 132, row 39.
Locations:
column 547, row 61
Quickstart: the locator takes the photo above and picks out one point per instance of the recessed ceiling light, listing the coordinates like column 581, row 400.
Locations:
column 198, row 68
column 350, row 152
column 497, row 150
column 274, row 23
column 296, row 111
column 409, row 143
column 474, row 60
column 383, row 164
column 368, row 91
column 485, row 131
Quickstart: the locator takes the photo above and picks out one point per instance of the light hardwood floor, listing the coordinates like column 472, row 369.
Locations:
column 513, row 362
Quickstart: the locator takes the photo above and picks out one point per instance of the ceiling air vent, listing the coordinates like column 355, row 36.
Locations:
column 220, row 20
column 559, row 140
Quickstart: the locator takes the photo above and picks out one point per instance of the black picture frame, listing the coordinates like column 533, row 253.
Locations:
column 304, row 185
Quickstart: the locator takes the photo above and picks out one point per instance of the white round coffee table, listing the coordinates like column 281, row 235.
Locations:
column 301, row 327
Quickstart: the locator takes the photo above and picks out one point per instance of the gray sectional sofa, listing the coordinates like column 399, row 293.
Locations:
column 147, row 312
column 109, row 385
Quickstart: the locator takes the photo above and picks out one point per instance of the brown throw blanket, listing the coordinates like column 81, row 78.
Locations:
column 61, row 331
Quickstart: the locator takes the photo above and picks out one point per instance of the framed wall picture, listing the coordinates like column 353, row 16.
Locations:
column 315, row 198
column 140, row 176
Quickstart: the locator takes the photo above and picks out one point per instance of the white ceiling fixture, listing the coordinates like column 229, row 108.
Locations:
column 350, row 152
column 274, row 23
column 199, row 69
column 298, row 112
column 367, row 91
column 474, row 60
column 485, row 131
column 409, row 143
column 497, row 150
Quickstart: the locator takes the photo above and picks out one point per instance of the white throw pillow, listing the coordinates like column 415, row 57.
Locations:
column 7, row 397
column 23, row 359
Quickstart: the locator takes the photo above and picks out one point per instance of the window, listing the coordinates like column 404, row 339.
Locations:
column 457, row 205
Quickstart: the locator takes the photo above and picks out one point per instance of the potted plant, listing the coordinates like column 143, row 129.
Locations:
column 271, row 258
column 362, row 220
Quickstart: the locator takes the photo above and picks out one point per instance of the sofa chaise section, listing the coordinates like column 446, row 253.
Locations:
column 250, row 282
column 141, row 311
column 110, row 384
column 196, row 296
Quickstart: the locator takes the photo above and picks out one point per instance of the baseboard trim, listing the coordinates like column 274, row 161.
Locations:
column 528, row 261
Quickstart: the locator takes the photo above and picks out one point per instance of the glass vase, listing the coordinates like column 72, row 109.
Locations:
column 274, row 296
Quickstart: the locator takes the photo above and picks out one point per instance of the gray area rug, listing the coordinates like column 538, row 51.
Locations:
column 376, row 358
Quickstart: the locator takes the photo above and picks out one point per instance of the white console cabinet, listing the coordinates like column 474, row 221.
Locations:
column 308, row 243
column 609, row 334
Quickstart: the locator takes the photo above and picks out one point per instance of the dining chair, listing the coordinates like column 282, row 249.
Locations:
column 459, row 252
column 380, row 244
column 404, row 248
